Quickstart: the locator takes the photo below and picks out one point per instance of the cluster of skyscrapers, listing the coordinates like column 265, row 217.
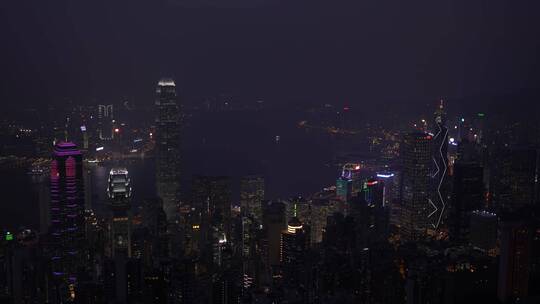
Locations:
column 454, row 219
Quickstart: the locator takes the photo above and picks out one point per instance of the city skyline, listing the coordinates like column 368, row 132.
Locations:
column 268, row 151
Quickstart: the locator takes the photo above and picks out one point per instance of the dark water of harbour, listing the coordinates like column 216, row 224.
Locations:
column 221, row 143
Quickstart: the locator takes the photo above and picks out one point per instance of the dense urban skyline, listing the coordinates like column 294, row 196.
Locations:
column 268, row 151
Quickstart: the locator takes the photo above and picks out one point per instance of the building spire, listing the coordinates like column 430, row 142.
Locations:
column 440, row 113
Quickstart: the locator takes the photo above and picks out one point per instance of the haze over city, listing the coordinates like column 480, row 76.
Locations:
column 269, row 151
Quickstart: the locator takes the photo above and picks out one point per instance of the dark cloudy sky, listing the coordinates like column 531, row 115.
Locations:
column 359, row 51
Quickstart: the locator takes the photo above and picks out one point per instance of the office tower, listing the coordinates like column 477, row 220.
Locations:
column 119, row 194
column 467, row 195
column 211, row 196
column 524, row 177
column 300, row 208
column 21, row 272
column 105, row 122
column 88, row 186
column 67, row 211
column 391, row 187
column 373, row 191
column 439, row 150
column 44, row 199
column 483, row 230
column 167, row 147
column 122, row 282
column 85, row 137
column 534, row 278
column 321, row 207
column 514, row 264
column 478, row 126
column 469, row 151
column 252, row 196
column 415, row 187
column 155, row 221
column 343, row 189
column 391, row 196
column 351, row 172
column 516, row 179
column 274, row 221
column 294, row 243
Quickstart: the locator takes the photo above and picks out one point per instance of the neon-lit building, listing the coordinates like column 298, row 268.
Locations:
column 105, row 121
column 391, row 187
column 439, row 151
column 294, row 243
column 66, row 211
column 374, row 192
column 343, row 189
column 352, row 173
column 167, row 146
column 119, row 194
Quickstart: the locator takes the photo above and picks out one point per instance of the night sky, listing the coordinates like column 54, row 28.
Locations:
column 357, row 52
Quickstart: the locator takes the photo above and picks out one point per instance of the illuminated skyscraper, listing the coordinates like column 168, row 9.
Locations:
column 415, row 187
column 67, row 211
column 252, row 196
column 343, row 189
column 294, row 243
column 105, row 121
column 439, row 150
column 274, row 221
column 119, row 194
column 167, row 146
column 351, row 172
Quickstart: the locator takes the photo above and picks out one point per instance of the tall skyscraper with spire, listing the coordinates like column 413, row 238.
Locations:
column 168, row 118
column 439, row 152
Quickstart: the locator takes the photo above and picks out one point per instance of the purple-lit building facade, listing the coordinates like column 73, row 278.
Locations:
column 66, row 210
